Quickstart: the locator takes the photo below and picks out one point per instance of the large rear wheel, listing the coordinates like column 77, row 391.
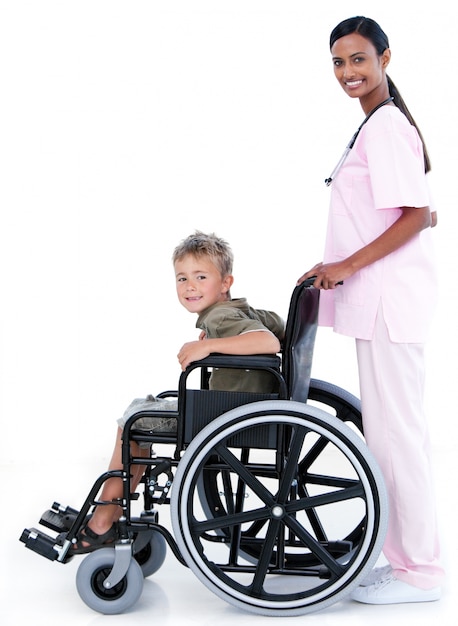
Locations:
column 278, row 542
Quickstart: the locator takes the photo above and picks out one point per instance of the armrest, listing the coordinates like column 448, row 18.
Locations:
column 248, row 361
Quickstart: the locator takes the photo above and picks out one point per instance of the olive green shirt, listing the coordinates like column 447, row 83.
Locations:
column 235, row 317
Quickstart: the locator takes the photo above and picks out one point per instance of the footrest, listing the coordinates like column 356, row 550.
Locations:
column 40, row 543
column 58, row 519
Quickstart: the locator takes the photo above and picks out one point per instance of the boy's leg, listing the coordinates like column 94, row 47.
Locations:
column 105, row 515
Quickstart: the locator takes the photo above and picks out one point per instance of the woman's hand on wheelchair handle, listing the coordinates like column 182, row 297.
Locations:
column 326, row 275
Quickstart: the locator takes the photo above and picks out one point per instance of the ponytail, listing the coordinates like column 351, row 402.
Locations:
column 399, row 102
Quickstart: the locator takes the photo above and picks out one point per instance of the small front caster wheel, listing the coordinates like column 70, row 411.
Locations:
column 92, row 573
column 150, row 552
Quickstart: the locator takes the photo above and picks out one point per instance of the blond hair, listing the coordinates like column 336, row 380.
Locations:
column 201, row 244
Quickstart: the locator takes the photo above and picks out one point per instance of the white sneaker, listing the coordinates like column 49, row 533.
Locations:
column 390, row 590
column 378, row 573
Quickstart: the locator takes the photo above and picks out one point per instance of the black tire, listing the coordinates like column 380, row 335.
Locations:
column 90, row 577
column 333, row 399
column 303, row 561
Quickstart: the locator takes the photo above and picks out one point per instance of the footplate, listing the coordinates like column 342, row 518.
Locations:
column 59, row 518
column 40, row 543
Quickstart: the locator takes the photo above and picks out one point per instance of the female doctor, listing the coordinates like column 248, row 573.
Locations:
column 379, row 244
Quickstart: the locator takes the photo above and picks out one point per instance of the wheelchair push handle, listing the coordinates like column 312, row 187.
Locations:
column 309, row 281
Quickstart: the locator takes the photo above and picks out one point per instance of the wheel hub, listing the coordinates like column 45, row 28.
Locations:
column 278, row 511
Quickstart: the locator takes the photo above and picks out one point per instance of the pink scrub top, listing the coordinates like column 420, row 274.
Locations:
column 383, row 172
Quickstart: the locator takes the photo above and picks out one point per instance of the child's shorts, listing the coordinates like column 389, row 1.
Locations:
column 153, row 424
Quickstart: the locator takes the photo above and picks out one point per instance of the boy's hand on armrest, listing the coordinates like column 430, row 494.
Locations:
column 255, row 342
column 193, row 351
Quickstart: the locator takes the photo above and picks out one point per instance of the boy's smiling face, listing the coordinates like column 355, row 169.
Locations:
column 199, row 283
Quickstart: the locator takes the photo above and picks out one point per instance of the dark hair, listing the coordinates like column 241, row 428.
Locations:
column 369, row 29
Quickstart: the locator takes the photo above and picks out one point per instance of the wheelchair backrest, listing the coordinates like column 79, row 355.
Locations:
column 299, row 341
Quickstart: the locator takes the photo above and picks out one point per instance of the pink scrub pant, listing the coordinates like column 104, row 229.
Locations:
column 391, row 383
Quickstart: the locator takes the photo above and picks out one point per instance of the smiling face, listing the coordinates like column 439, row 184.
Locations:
column 360, row 70
column 199, row 283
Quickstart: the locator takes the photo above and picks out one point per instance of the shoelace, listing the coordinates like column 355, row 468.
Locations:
column 384, row 581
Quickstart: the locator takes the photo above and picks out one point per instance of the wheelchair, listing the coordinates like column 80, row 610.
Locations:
column 276, row 504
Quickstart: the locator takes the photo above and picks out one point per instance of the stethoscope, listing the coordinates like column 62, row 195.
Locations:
column 329, row 180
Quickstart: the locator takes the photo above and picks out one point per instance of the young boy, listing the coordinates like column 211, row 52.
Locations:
column 203, row 271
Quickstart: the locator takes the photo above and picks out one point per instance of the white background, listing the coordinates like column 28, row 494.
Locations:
column 125, row 126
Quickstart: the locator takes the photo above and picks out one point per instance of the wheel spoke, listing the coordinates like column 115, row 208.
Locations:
column 248, row 477
column 325, row 498
column 265, row 557
column 228, row 521
column 314, row 546
column 290, row 471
